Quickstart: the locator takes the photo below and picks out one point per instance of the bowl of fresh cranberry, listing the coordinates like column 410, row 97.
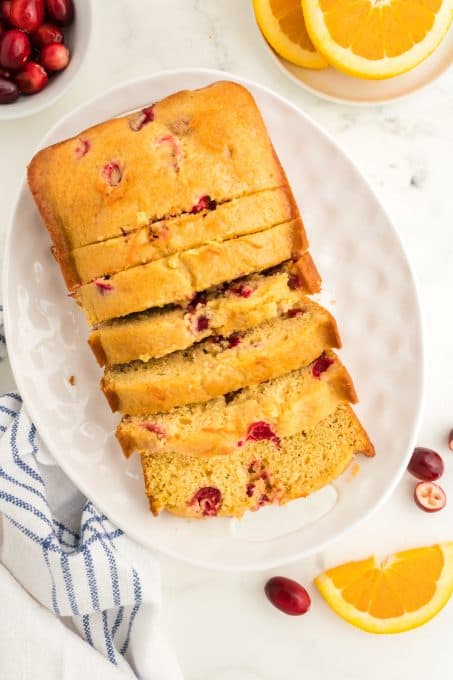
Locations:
column 42, row 45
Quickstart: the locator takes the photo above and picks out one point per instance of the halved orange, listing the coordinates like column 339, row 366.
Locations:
column 377, row 38
column 392, row 595
column 282, row 24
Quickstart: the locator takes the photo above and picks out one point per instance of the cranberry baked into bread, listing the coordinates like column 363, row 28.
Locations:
column 159, row 162
column 223, row 310
column 178, row 235
column 281, row 407
column 264, row 471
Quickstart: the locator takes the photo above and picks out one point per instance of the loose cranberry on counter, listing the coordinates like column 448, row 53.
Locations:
column 47, row 34
column 15, row 49
column 426, row 464
column 32, row 79
column 27, row 14
column 60, row 11
column 287, row 595
column 54, row 57
column 430, row 497
column 2, row 30
column 9, row 91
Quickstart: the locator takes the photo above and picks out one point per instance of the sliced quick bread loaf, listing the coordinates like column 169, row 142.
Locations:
column 261, row 472
column 223, row 310
column 161, row 161
column 219, row 365
column 178, row 277
column 210, row 222
column 275, row 409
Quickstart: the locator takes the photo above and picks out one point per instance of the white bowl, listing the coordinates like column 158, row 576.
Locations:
column 77, row 38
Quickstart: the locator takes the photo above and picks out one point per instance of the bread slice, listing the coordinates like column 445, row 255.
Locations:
column 220, row 365
column 128, row 172
column 223, row 310
column 178, row 277
column 275, row 409
column 211, row 223
column 258, row 473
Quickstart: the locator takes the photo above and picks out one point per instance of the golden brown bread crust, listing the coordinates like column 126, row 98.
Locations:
column 128, row 172
column 294, row 402
column 178, row 277
column 307, row 274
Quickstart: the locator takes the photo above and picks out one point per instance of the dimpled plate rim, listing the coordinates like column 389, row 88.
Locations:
column 46, row 336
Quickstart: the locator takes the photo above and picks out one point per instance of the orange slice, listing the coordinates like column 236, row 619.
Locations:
column 377, row 38
column 282, row 24
column 393, row 595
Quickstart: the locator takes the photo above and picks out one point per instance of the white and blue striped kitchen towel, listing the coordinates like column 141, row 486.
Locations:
column 71, row 559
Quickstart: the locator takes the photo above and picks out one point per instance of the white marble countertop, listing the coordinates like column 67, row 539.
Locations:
column 221, row 624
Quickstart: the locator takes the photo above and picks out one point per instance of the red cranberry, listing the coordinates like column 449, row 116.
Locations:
column 233, row 340
column 103, row 285
column 209, row 500
column 47, row 34
column 61, row 11
column 27, row 14
column 204, row 203
column 287, row 595
column 5, row 11
column 112, row 173
column 250, row 489
column 9, row 91
column 321, row 365
column 260, row 431
column 145, row 116
column 430, row 497
column 155, row 428
column 2, row 30
column 198, row 299
column 295, row 311
column 82, row 148
column 54, row 57
column 15, row 49
column 293, row 282
column 32, row 79
column 241, row 290
column 174, row 149
column 426, row 464
column 202, row 323
column 450, row 440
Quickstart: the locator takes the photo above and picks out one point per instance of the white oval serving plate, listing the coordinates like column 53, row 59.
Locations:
column 339, row 87
column 365, row 271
